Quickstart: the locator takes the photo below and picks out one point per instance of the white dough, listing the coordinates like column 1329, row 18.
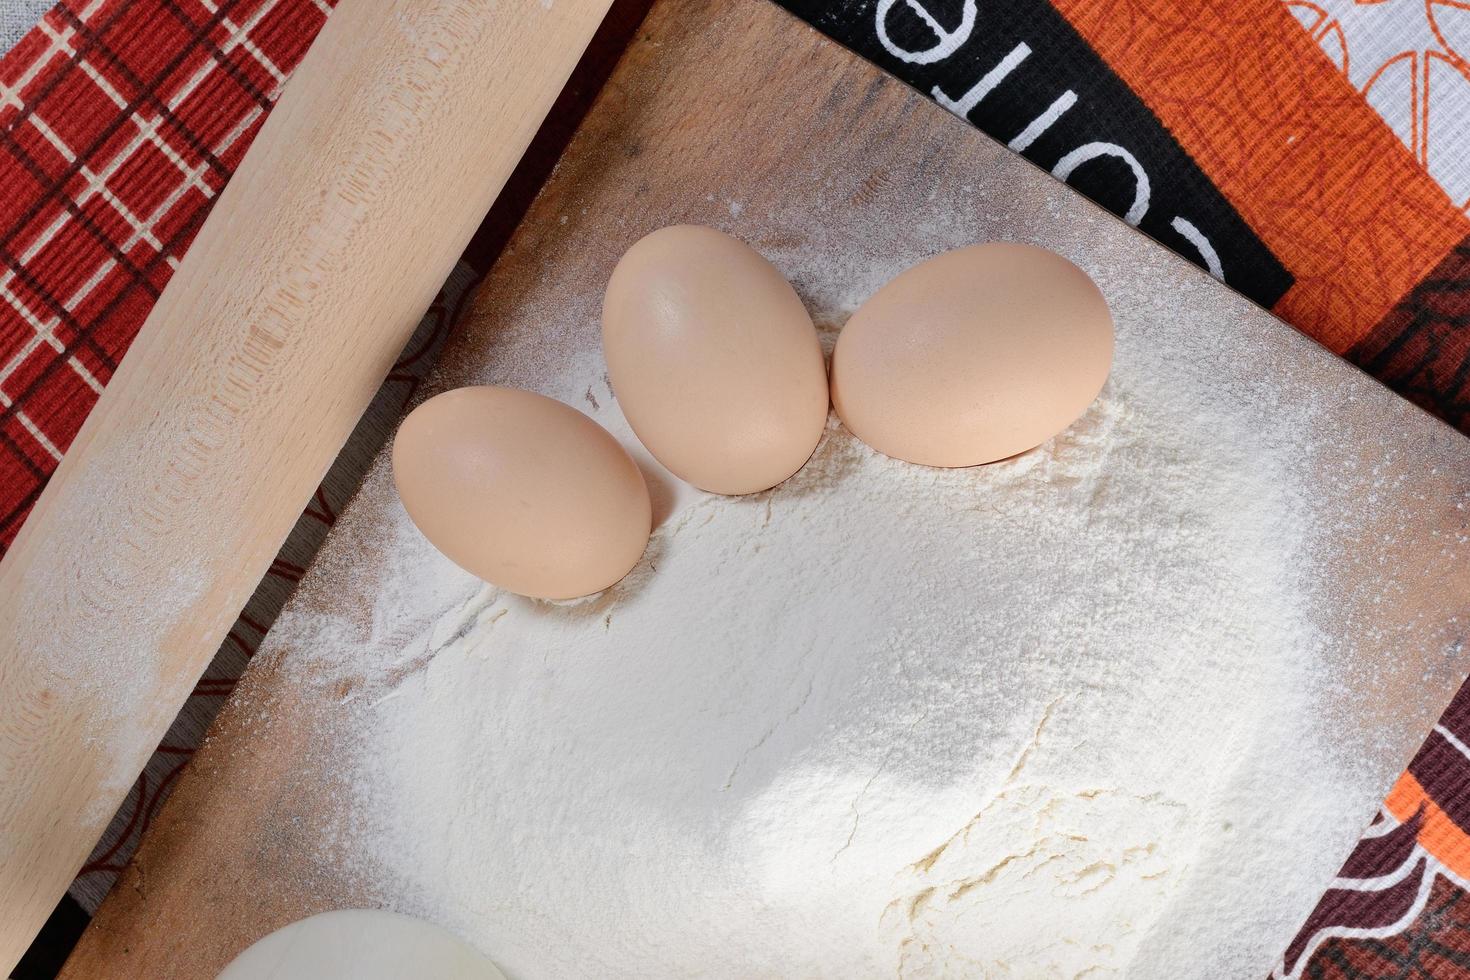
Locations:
column 361, row 944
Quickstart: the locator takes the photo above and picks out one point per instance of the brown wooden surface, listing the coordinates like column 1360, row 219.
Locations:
column 715, row 104
column 262, row 353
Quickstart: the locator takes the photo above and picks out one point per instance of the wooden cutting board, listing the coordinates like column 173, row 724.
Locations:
column 730, row 114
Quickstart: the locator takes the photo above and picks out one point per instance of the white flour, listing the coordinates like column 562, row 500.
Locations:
column 1025, row 719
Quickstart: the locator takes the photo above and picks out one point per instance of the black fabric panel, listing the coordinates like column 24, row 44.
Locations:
column 58, row 937
column 944, row 48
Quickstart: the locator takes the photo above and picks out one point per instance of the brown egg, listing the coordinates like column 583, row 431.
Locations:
column 714, row 360
column 523, row 491
column 973, row 355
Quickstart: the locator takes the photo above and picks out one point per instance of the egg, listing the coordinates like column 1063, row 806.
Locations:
column 523, row 491
column 713, row 360
column 973, row 355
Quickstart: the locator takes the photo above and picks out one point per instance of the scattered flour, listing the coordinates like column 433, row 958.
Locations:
column 1034, row 718
column 95, row 675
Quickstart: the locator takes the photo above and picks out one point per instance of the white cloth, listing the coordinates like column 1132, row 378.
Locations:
column 17, row 17
column 1411, row 61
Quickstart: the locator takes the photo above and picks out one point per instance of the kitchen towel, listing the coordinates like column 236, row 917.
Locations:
column 1311, row 155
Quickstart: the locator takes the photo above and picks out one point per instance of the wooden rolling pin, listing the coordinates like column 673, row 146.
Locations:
column 359, row 194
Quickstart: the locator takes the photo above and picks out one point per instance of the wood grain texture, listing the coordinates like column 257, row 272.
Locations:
column 718, row 104
column 355, row 201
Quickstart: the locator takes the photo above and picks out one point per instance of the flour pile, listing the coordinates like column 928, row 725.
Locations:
column 1023, row 719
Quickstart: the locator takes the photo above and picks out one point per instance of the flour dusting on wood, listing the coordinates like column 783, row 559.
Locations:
column 1072, row 713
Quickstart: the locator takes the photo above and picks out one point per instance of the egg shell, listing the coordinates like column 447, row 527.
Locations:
column 973, row 355
column 714, row 360
column 523, row 491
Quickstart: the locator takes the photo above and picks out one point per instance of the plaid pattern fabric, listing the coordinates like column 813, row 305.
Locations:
column 120, row 122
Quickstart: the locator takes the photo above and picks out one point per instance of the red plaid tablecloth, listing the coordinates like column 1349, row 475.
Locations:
column 121, row 121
